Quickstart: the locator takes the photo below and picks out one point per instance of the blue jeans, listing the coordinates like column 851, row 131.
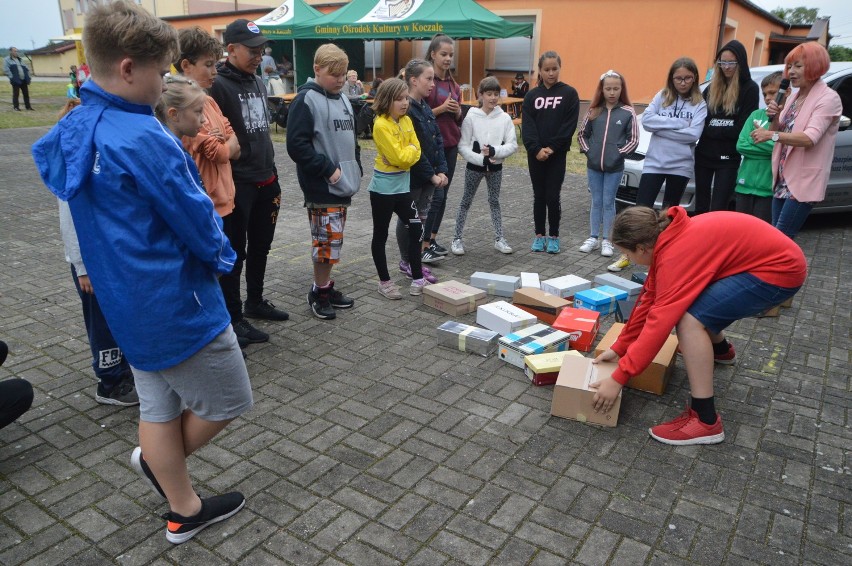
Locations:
column 603, row 187
column 734, row 297
column 788, row 215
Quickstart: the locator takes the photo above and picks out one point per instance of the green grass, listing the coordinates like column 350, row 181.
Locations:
column 47, row 98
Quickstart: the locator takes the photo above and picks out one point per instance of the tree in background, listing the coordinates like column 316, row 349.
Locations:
column 840, row 53
column 799, row 15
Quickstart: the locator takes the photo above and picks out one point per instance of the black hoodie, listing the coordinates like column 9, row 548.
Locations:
column 242, row 99
column 550, row 117
column 717, row 147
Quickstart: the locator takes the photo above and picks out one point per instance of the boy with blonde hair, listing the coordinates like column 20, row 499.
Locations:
column 328, row 166
column 153, row 246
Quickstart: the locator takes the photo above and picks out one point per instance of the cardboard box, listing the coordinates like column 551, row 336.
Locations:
column 467, row 338
column 624, row 308
column 633, row 289
column 535, row 339
column 581, row 325
column 503, row 318
column 453, row 298
column 600, row 299
column 656, row 377
column 543, row 369
column 769, row 313
column 639, row 277
column 565, row 286
column 572, row 398
column 495, row 284
column 540, row 303
column 530, row 280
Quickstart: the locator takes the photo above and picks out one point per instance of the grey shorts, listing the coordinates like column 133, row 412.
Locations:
column 213, row 383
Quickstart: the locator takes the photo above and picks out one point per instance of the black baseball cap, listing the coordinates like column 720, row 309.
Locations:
column 519, row 75
column 245, row 32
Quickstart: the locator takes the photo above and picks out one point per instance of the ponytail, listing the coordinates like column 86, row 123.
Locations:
column 639, row 225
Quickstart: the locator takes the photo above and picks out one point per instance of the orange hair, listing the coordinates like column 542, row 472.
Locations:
column 814, row 57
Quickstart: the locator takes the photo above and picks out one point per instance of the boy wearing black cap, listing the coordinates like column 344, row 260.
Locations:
column 241, row 96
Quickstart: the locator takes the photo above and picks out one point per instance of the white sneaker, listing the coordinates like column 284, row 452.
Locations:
column 389, row 290
column 589, row 245
column 417, row 287
column 606, row 248
column 457, row 247
column 502, row 246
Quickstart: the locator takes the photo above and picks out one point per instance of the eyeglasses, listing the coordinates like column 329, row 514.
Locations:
column 725, row 64
column 611, row 74
column 683, row 80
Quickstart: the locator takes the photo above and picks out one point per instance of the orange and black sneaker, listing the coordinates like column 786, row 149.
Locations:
column 141, row 466
column 214, row 509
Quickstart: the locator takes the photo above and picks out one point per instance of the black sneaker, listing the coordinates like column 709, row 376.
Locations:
column 320, row 303
column 430, row 256
column 438, row 248
column 248, row 332
column 265, row 310
column 180, row 529
column 124, row 394
column 338, row 300
column 141, row 466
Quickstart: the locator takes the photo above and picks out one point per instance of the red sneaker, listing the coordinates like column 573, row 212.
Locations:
column 729, row 358
column 688, row 429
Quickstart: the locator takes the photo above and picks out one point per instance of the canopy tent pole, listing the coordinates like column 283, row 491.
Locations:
column 294, row 66
column 529, row 75
column 470, row 66
column 373, row 46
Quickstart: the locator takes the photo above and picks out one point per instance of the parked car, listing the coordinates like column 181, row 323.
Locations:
column 838, row 196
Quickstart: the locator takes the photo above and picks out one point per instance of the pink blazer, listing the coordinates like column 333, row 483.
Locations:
column 806, row 169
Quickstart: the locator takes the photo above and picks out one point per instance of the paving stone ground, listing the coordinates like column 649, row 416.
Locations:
column 370, row 445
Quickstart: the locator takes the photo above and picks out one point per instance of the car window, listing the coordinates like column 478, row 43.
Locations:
column 843, row 87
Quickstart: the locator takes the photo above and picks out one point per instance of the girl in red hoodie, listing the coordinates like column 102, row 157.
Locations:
column 752, row 267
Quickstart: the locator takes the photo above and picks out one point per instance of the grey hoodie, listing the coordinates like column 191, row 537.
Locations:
column 675, row 130
column 321, row 138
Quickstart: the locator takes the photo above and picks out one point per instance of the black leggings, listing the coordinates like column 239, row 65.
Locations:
column 651, row 183
column 383, row 207
column 547, row 177
column 723, row 182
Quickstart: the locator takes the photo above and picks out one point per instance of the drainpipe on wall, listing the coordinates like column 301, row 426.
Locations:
column 722, row 22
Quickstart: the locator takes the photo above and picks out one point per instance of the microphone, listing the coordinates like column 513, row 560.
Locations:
column 782, row 90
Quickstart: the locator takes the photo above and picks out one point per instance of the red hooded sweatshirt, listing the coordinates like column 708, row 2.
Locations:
column 690, row 254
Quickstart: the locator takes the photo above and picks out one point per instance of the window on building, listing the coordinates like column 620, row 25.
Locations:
column 512, row 53
column 373, row 54
column 757, row 51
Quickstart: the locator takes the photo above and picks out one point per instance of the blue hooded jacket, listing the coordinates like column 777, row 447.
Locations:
column 149, row 236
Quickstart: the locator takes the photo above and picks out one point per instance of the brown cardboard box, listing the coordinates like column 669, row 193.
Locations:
column 453, row 298
column 545, row 306
column 656, row 377
column 572, row 398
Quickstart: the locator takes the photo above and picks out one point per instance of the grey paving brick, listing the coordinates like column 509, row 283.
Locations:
column 367, row 445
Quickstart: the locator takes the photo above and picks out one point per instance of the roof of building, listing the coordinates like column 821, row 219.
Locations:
column 53, row 48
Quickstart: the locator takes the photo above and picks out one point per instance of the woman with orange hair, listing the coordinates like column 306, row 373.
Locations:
column 804, row 133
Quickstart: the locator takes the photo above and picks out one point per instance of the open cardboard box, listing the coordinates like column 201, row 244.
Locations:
column 656, row 377
column 572, row 397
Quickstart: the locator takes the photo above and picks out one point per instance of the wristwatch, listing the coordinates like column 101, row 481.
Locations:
column 775, row 136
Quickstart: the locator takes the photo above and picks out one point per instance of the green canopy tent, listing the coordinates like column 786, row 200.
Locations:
column 279, row 25
column 412, row 19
